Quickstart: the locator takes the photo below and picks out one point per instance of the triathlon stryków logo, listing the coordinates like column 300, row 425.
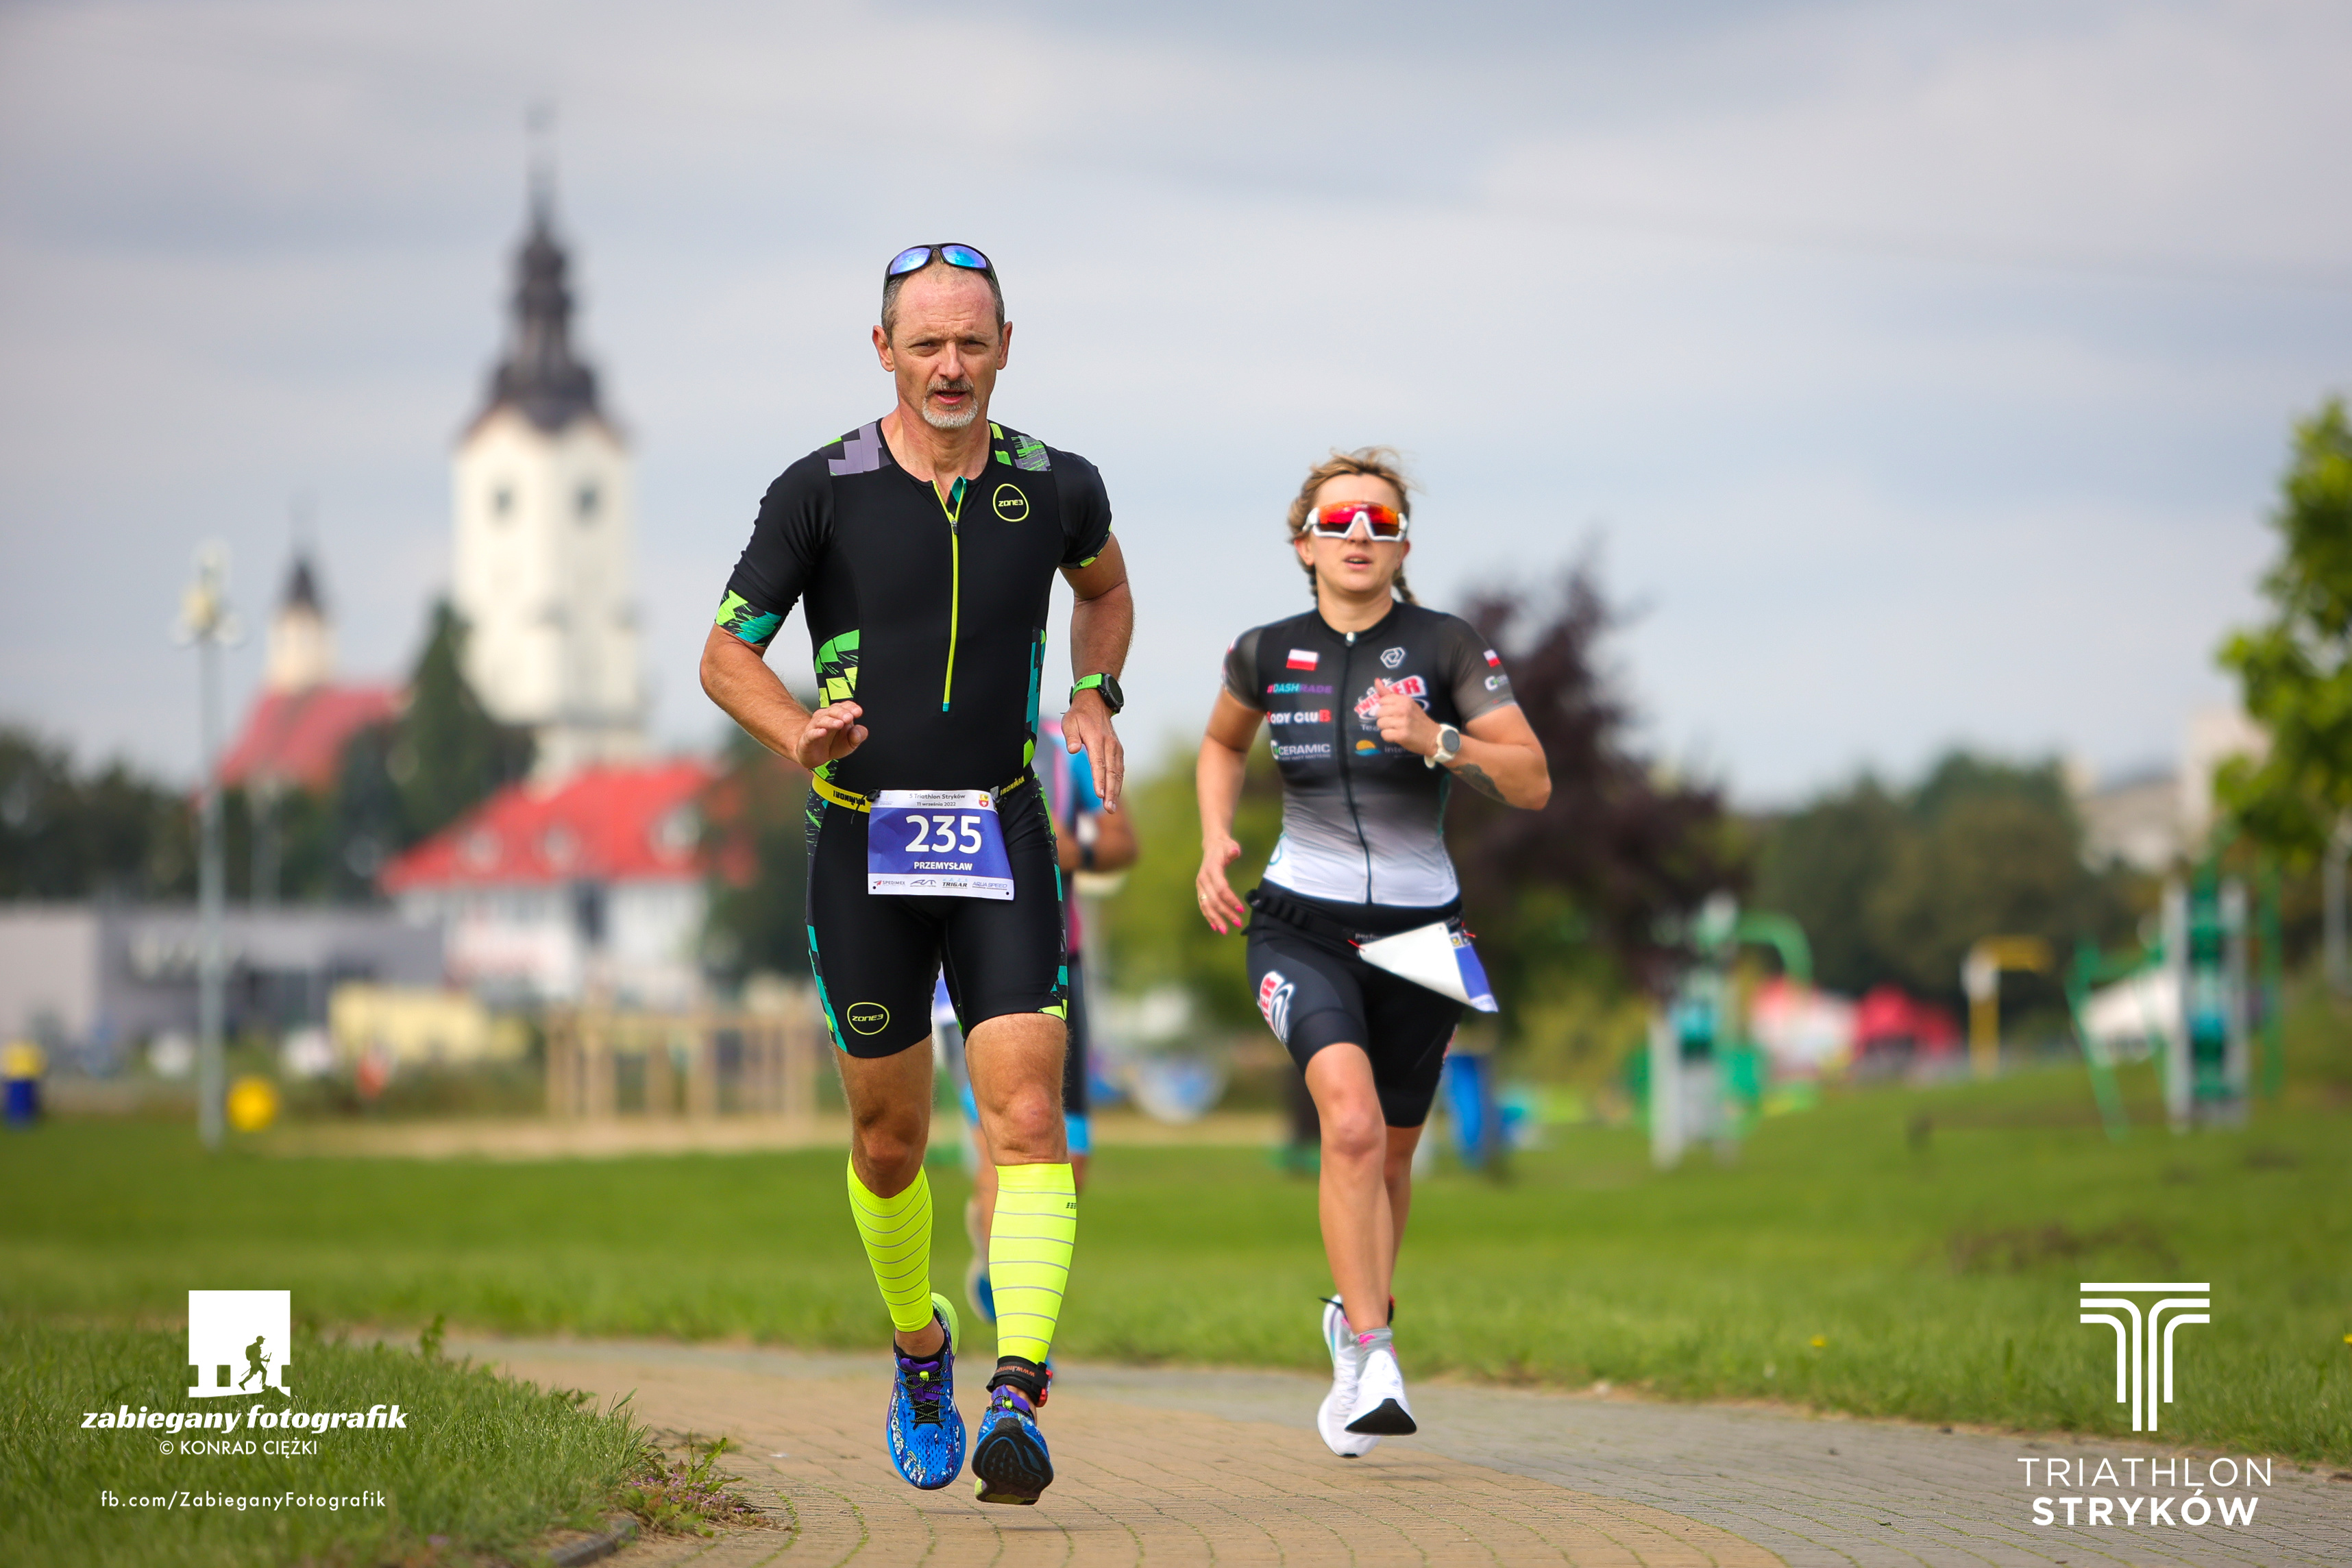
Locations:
column 2144, row 1340
column 237, row 1341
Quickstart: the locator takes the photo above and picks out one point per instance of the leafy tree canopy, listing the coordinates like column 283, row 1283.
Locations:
column 2295, row 670
column 1622, row 849
column 110, row 832
column 1894, row 887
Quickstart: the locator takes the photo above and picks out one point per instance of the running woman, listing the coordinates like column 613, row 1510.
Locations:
column 1087, row 838
column 929, row 846
column 1377, row 706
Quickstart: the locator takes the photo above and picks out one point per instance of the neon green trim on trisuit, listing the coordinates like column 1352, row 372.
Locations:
column 955, row 586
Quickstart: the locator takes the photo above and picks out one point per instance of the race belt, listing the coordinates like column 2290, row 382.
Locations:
column 849, row 799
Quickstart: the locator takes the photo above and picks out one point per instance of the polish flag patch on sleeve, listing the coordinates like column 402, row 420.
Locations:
column 1493, row 660
column 1302, row 658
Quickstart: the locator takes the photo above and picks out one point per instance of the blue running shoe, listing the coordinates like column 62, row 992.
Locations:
column 1009, row 1463
column 926, row 1429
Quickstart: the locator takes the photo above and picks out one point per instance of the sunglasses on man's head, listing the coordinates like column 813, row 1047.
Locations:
column 915, row 258
column 1340, row 520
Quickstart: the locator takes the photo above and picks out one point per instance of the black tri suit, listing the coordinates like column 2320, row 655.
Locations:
column 1362, row 852
column 931, row 615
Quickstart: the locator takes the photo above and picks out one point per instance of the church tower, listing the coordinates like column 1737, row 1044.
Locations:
column 545, row 521
column 301, row 654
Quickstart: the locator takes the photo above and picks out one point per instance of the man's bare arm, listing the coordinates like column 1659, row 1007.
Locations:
column 1102, row 624
column 738, row 678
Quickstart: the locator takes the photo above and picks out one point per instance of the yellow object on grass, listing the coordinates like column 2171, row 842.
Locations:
column 252, row 1104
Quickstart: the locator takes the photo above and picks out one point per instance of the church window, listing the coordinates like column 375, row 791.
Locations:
column 502, row 502
column 588, row 498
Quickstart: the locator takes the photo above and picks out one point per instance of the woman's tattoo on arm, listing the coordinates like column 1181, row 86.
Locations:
column 1476, row 777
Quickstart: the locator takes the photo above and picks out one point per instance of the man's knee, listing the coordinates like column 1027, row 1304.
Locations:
column 890, row 1145
column 1029, row 1119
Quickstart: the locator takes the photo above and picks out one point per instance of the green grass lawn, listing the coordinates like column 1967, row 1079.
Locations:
column 484, row 1462
column 1853, row 1257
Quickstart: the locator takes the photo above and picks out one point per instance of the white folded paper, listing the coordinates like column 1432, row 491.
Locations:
column 1438, row 957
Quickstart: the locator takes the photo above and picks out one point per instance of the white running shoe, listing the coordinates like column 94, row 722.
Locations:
column 1340, row 1405
column 1380, row 1405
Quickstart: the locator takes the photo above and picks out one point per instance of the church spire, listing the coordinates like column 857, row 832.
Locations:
column 541, row 375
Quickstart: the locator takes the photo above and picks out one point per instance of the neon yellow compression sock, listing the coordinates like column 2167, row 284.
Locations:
column 897, row 1231
column 1029, row 1255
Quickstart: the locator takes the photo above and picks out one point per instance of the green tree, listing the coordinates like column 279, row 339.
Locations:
column 1894, row 889
column 1820, row 865
column 1621, row 851
column 2296, row 670
column 68, row 835
column 755, row 839
column 448, row 754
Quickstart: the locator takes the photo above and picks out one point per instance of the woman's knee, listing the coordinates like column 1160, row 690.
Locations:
column 1354, row 1131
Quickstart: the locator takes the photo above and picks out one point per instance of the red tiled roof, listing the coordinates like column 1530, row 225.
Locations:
column 297, row 737
column 601, row 824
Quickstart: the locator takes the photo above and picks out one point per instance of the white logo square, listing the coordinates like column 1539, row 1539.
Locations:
column 238, row 1341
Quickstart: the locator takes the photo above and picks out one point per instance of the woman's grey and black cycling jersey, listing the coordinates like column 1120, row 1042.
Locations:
column 931, row 615
column 1363, row 820
column 1362, row 851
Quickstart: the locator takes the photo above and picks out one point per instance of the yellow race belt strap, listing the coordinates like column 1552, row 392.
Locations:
column 851, row 800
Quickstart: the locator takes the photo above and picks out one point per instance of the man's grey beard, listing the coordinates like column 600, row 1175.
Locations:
column 939, row 421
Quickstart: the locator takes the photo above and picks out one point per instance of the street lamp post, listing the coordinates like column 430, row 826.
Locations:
column 207, row 620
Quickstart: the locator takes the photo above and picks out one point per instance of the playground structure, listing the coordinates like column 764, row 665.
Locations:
column 1980, row 979
column 2200, row 998
column 1706, row 1077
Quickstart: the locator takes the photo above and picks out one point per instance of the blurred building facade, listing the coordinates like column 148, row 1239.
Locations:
column 2153, row 818
column 545, row 524
column 102, row 980
column 587, row 889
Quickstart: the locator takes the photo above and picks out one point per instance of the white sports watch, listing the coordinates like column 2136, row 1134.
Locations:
column 1449, row 741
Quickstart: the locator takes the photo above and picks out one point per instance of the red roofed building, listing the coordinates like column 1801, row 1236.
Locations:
column 294, row 738
column 588, row 886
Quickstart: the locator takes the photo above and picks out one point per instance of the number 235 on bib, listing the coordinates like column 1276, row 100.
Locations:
column 940, row 843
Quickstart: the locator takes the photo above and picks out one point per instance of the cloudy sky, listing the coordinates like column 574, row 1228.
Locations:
column 1920, row 373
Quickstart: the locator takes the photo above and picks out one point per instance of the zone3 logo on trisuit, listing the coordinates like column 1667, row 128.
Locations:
column 1011, row 504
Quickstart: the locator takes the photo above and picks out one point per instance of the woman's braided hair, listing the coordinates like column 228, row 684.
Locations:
column 1380, row 463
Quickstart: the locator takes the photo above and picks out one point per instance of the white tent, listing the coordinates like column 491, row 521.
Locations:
column 2133, row 1015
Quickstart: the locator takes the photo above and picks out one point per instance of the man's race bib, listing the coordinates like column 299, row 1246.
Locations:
column 944, row 843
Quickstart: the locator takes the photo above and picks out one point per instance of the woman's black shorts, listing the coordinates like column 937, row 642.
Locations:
column 1314, row 990
column 874, row 955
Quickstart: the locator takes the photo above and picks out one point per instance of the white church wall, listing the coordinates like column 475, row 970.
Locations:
column 544, row 576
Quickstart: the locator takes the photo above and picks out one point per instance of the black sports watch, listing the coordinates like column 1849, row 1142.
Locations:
column 1107, row 684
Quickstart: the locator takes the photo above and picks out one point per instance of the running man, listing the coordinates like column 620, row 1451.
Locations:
column 1089, row 838
column 923, row 548
column 1377, row 706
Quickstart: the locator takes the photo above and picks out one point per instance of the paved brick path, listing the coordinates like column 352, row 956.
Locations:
column 1181, row 1466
